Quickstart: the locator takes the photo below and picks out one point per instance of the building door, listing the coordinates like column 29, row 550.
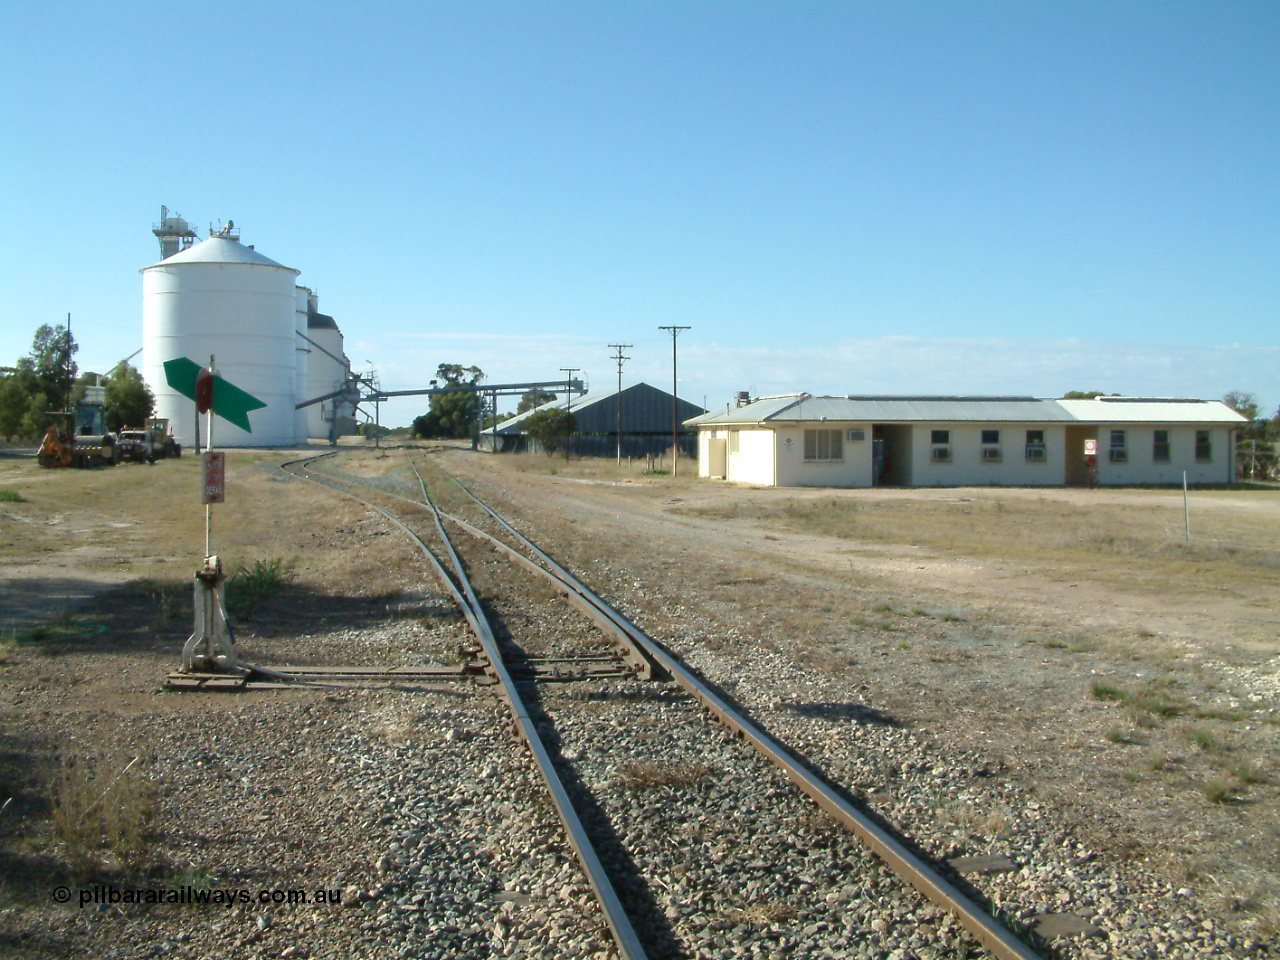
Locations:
column 1077, row 469
column 891, row 455
column 718, row 458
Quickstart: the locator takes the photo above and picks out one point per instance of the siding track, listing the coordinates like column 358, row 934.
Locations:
column 644, row 658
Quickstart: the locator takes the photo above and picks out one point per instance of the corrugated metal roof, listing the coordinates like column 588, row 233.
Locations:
column 220, row 250
column 560, row 403
column 694, row 421
column 644, row 407
column 1151, row 410
column 756, row 411
column 889, row 409
column 886, row 409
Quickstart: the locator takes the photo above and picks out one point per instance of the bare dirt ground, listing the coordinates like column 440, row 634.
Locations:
column 1062, row 635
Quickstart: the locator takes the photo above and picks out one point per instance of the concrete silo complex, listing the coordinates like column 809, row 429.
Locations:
column 222, row 298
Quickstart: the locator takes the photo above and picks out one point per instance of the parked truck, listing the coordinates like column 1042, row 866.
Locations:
column 148, row 444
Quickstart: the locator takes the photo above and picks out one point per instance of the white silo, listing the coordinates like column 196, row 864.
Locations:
column 302, row 357
column 222, row 298
column 326, row 372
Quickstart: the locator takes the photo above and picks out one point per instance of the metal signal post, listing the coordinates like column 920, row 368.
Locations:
column 675, row 402
column 568, row 431
column 621, row 359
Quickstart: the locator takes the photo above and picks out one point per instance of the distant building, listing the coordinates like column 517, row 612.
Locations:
column 646, row 424
column 800, row 440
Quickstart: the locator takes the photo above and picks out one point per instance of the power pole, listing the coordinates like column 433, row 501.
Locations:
column 621, row 359
column 568, row 392
column 675, row 452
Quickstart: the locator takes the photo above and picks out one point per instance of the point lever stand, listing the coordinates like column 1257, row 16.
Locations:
column 211, row 648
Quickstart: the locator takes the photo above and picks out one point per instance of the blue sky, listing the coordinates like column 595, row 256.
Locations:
column 843, row 197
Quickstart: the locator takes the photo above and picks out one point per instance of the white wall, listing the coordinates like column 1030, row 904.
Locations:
column 324, row 375
column 752, row 462
column 1141, row 466
column 775, row 456
column 302, row 351
column 242, row 313
column 704, row 457
column 967, row 468
column 794, row 471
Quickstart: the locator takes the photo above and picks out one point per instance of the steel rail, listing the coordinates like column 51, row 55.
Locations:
column 624, row 935
column 908, row 865
column 571, row 591
column 633, row 652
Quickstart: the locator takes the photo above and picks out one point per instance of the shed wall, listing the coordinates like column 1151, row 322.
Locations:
column 752, row 461
column 1142, row 467
column 967, row 467
column 794, row 471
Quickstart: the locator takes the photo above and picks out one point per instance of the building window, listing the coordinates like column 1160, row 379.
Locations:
column 857, row 436
column 940, row 449
column 1035, row 446
column 1160, row 446
column 1119, row 447
column 1204, row 447
column 733, row 441
column 824, row 445
column 990, row 446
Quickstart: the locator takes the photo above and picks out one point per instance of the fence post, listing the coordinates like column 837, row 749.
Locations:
column 1186, row 508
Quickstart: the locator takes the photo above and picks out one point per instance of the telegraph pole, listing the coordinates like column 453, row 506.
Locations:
column 675, row 453
column 621, row 359
column 568, row 392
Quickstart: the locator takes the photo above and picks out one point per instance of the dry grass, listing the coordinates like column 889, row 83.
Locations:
column 770, row 911
column 990, row 822
column 101, row 812
column 638, row 470
column 1098, row 537
column 649, row 776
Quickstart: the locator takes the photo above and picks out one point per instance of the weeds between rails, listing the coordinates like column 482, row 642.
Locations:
column 883, row 841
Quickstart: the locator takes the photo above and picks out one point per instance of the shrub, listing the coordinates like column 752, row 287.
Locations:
column 1219, row 791
column 11, row 496
column 1106, row 691
column 250, row 587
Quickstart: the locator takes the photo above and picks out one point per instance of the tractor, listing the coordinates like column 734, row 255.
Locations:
column 87, row 444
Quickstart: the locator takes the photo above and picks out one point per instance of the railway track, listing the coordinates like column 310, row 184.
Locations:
column 615, row 651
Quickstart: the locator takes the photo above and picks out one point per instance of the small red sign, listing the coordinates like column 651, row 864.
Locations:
column 1091, row 448
column 204, row 390
column 214, row 472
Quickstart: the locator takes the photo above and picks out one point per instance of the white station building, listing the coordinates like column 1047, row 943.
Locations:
column 224, row 299
column 800, row 440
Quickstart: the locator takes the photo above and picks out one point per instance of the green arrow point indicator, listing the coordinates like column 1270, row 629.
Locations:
column 229, row 401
